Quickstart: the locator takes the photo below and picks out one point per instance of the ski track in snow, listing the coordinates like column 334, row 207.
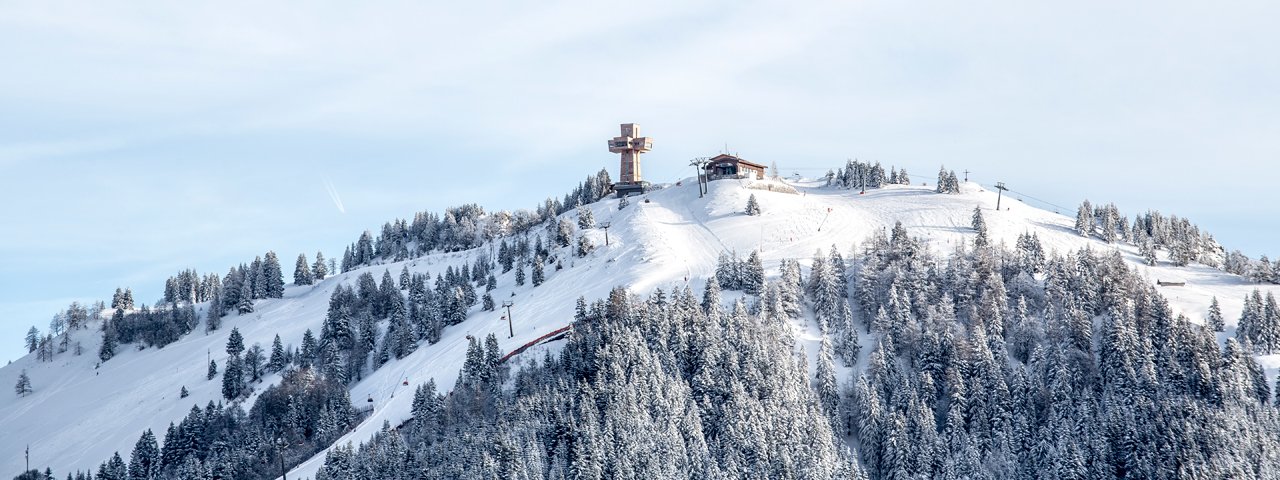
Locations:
column 78, row 415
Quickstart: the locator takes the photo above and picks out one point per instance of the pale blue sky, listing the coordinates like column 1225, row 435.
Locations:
column 140, row 140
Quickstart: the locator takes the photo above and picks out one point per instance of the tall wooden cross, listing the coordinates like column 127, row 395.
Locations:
column 630, row 144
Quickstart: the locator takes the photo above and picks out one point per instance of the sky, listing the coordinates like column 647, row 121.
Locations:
column 140, row 139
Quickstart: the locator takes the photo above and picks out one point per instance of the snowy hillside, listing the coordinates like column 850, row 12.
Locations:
column 80, row 413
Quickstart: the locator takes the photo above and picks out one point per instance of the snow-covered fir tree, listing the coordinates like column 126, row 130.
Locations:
column 245, row 303
column 563, row 232
column 233, row 378
column 1147, row 249
column 107, row 349
column 213, row 316
column 751, row 274
column 585, row 246
column 277, row 360
column 753, row 206
column 1214, row 319
column 235, row 342
column 586, row 219
column 537, row 276
column 144, row 463
column 979, row 228
column 1084, row 219
column 273, row 275
column 318, row 269
column 947, row 181
column 302, row 271
column 826, row 387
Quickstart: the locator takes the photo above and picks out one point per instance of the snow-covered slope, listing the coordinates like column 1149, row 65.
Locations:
column 667, row 238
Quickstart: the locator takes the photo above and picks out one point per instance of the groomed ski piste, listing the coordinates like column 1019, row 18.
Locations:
column 82, row 412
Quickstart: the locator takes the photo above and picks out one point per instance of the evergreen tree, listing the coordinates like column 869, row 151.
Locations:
column 1214, row 320
column 363, row 251
column 825, row 385
column 753, row 206
column 24, row 384
column 277, row 361
column 1084, row 219
column 538, row 276
column 488, row 302
column 586, row 219
column 108, row 347
column 564, row 232
column 979, row 226
column 144, row 464
column 231, row 289
column 122, row 300
column 1262, row 270
column 839, row 271
column 113, row 469
column 1271, row 316
column 235, row 342
column 727, row 271
column 1249, row 325
column 753, row 274
column 585, row 246
column 213, row 370
column 257, row 279
column 233, row 378
column 791, row 289
column 404, row 341
column 846, row 334
column 308, row 348
column 318, row 269
column 302, row 271
column 245, row 305
column 33, row 339
column 947, row 181
column 213, row 318
column 711, row 296
column 1147, row 249
column 387, row 295
column 506, row 256
column 520, row 274
column 1110, row 216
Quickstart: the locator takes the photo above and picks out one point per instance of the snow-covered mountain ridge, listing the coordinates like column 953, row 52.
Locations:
column 81, row 412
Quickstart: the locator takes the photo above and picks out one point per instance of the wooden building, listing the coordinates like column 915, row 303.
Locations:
column 729, row 166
